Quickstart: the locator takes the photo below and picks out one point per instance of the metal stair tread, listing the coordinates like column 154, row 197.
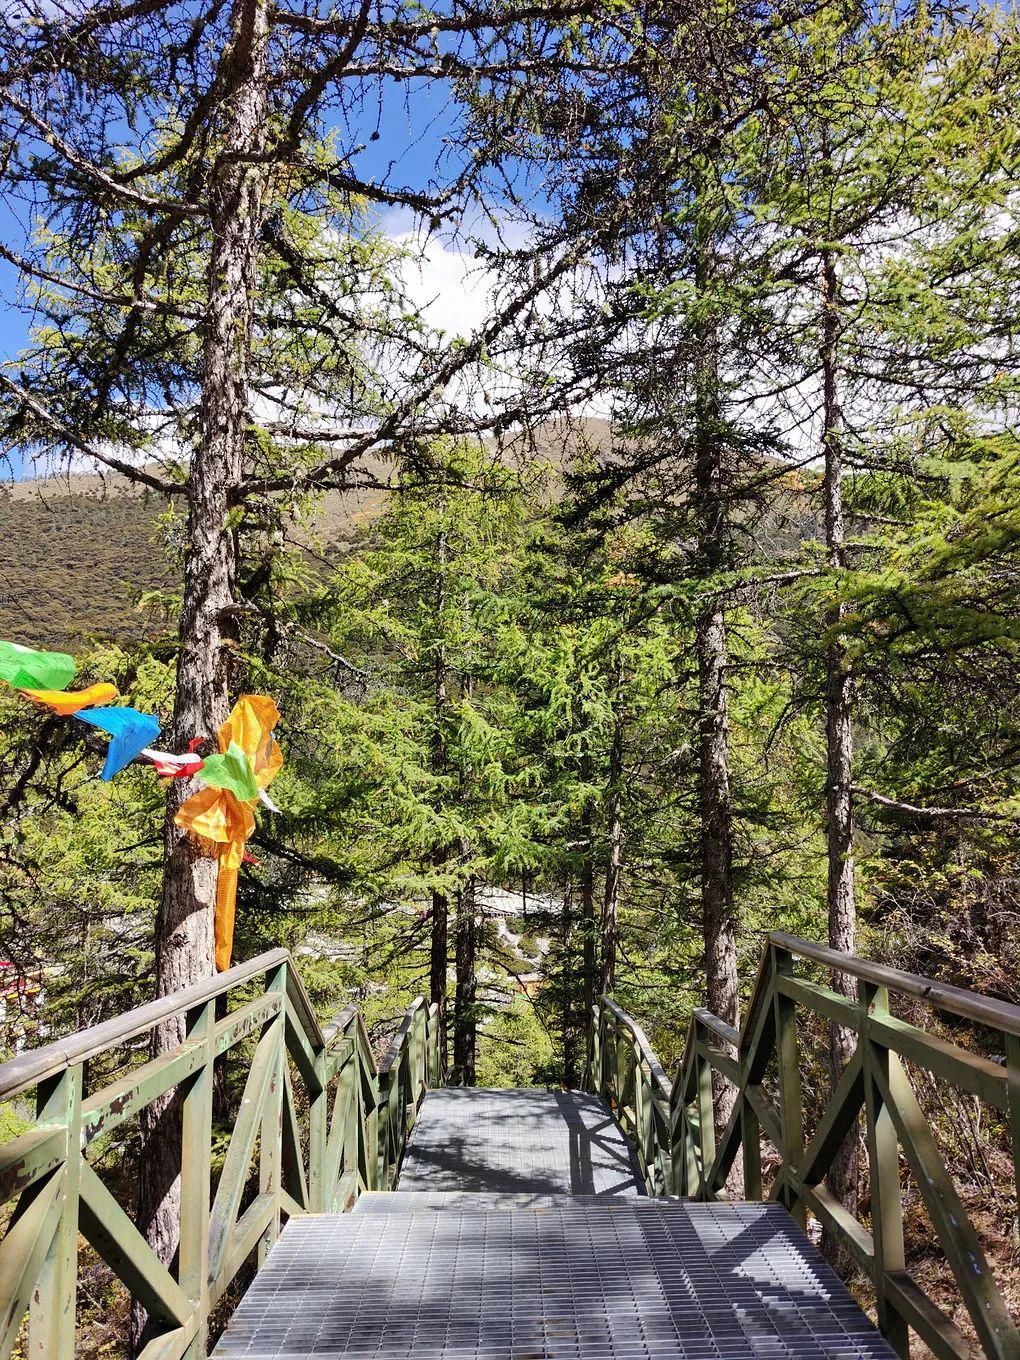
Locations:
column 638, row 1279
column 518, row 1141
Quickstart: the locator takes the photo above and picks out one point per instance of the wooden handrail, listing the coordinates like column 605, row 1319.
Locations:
column 38, row 1064
column 694, row 1152
column 981, row 1010
column 641, row 1043
column 315, row 1155
column 623, row 1068
column 717, row 1027
column 392, row 1054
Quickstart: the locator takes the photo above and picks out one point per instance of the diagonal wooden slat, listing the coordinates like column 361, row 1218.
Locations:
column 237, row 1163
column 295, row 1182
column 108, row 1228
column 959, row 1241
column 248, row 1232
column 938, row 1332
column 271, row 1128
column 765, row 1112
column 838, row 1119
column 22, row 1253
column 172, row 1345
column 341, row 1130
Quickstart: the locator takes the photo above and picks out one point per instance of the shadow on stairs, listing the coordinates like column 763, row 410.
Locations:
column 519, row 1230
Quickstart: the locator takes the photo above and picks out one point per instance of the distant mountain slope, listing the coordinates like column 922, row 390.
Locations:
column 75, row 561
column 79, row 550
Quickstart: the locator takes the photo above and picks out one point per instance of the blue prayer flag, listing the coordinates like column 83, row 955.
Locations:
column 130, row 732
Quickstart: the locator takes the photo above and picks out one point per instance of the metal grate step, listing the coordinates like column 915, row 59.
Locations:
column 651, row 1280
column 530, row 1142
column 489, row 1201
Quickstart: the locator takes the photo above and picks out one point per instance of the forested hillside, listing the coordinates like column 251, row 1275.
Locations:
column 78, row 565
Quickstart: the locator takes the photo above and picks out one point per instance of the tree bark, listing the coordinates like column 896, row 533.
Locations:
column 711, row 646
column 842, row 906
column 439, row 948
column 438, row 963
column 716, row 810
column 589, row 961
column 184, row 923
column 614, row 855
column 465, row 1028
column 568, row 993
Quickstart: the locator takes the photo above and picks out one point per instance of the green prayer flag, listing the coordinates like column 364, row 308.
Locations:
column 27, row 669
column 232, row 770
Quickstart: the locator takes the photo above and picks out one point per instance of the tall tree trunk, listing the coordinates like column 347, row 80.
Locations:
column 589, row 954
column 184, row 923
column 589, row 960
column 465, row 1023
column 438, row 963
column 439, row 951
column 842, row 906
column 568, row 993
column 614, row 834
column 716, row 809
column 465, row 1028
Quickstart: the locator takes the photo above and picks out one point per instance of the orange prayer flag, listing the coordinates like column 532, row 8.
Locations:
column 250, row 725
column 217, row 815
column 68, row 702
column 226, row 909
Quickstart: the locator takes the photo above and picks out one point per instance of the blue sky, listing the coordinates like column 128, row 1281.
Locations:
column 411, row 121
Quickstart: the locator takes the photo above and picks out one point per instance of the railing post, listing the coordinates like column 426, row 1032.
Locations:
column 884, row 1170
column 790, row 1100
column 196, row 1173
column 706, row 1117
column 686, row 1172
column 271, row 1132
column 750, row 1141
column 646, row 1128
column 419, row 1080
column 318, row 1136
column 344, row 1149
column 1013, row 1083
column 595, row 1076
column 754, row 1050
column 397, row 1114
column 52, row 1315
column 639, row 1117
column 436, row 1055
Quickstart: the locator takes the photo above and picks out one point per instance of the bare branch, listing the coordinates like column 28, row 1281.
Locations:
column 69, row 437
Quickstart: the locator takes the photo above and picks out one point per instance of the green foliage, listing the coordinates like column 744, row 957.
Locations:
column 517, row 1050
column 454, row 666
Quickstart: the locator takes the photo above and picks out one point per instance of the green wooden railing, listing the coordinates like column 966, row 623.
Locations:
column 318, row 1122
column 291, row 1151
column 627, row 1073
column 673, row 1125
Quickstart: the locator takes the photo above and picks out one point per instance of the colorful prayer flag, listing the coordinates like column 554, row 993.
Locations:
column 68, row 702
column 130, row 732
column 25, row 668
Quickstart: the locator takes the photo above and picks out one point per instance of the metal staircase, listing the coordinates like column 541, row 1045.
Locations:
column 373, row 1213
column 539, row 1241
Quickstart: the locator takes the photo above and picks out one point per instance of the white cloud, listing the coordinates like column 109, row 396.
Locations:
column 452, row 290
